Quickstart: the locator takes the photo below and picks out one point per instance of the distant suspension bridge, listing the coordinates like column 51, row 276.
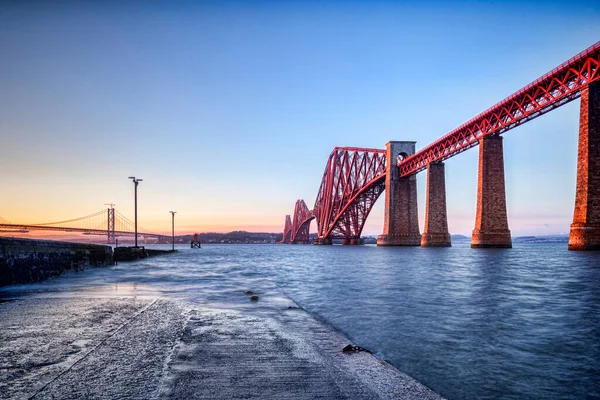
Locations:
column 107, row 222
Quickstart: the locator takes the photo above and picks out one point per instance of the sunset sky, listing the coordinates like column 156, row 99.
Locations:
column 228, row 110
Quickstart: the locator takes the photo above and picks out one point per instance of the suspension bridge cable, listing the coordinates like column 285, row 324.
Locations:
column 72, row 220
column 130, row 223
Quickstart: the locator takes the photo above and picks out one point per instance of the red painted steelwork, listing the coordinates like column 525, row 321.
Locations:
column 355, row 177
column 301, row 222
column 353, row 180
column 287, row 230
column 552, row 90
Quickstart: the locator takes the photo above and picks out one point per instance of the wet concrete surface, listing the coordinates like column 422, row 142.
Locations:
column 149, row 348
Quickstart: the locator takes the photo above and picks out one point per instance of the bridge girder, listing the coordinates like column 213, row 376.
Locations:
column 301, row 223
column 353, row 180
column 354, row 177
column 111, row 224
column 552, row 90
column 287, row 230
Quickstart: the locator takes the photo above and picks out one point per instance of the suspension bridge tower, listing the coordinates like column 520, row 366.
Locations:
column 110, row 229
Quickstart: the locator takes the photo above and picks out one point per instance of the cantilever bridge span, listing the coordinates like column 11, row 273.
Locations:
column 354, row 178
column 301, row 223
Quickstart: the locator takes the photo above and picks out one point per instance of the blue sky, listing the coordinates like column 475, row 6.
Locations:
column 228, row 110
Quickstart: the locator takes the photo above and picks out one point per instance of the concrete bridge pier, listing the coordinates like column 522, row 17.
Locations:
column 353, row 242
column 401, row 219
column 436, row 218
column 491, row 223
column 585, row 229
column 323, row 241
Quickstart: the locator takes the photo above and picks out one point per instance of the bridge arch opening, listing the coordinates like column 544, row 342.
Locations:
column 401, row 157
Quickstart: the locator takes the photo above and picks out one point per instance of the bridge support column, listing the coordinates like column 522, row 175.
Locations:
column 585, row 229
column 323, row 241
column 401, row 219
column 353, row 242
column 436, row 219
column 491, row 224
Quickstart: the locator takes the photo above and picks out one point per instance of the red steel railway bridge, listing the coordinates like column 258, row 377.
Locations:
column 107, row 222
column 354, row 178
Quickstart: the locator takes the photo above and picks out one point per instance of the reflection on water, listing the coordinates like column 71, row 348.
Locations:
column 517, row 323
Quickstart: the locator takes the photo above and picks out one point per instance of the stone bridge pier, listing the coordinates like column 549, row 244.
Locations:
column 491, row 222
column 436, row 217
column 585, row 229
column 401, row 224
column 401, row 218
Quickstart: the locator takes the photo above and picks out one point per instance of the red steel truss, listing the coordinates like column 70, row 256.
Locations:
column 552, row 90
column 353, row 180
column 355, row 177
column 287, row 230
column 301, row 222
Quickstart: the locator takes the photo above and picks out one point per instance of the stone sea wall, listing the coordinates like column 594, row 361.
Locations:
column 26, row 260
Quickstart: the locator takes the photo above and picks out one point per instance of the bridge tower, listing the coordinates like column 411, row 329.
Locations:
column 585, row 229
column 287, row 230
column 401, row 218
column 491, row 222
column 110, row 229
column 436, row 217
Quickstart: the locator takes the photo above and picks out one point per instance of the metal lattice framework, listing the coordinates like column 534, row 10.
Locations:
column 353, row 180
column 110, row 225
column 287, row 230
column 354, row 177
column 301, row 223
column 554, row 89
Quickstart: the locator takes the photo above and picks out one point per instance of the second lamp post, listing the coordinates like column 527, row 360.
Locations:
column 173, row 228
column 135, row 182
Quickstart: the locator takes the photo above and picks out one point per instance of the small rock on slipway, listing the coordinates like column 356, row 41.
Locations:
column 351, row 349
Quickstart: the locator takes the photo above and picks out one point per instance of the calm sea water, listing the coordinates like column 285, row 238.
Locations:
column 522, row 323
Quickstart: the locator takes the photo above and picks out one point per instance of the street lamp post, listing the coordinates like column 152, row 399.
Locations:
column 135, row 182
column 173, row 227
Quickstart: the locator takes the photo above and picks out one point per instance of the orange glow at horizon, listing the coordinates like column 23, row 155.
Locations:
column 162, row 224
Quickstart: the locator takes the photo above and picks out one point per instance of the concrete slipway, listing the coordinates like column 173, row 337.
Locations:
column 144, row 347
